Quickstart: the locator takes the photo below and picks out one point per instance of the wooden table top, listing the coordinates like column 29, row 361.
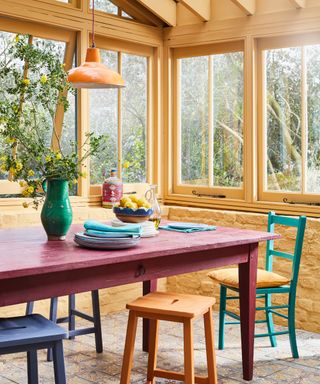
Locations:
column 26, row 251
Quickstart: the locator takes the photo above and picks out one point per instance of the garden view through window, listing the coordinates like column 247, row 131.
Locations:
column 121, row 115
column 211, row 120
column 45, row 121
column 293, row 119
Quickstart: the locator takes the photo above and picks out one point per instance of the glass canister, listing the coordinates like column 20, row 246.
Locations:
column 151, row 196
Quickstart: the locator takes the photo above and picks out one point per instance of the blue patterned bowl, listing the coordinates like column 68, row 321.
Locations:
column 129, row 215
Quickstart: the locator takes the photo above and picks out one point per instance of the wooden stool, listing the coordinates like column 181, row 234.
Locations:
column 171, row 307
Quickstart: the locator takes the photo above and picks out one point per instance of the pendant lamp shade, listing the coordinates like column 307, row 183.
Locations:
column 93, row 74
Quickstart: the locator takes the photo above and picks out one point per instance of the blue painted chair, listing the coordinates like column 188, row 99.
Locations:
column 71, row 319
column 29, row 334
column 268, row 283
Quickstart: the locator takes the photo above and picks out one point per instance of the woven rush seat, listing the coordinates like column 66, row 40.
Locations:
column 174, row 307
column 265, row 279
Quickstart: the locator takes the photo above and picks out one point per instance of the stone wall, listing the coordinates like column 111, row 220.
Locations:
column 308, row 298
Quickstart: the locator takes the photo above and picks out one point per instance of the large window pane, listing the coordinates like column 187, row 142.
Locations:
column 104, row 121
column 228, row 119
column 283, row 93
column 134, row 117
column 194, row 120
column 41, row 120
column 313, row 102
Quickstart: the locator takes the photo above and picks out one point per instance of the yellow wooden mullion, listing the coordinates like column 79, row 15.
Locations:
column 149, row 134
column 210, row 123
column 120, row 119
column 304, row 120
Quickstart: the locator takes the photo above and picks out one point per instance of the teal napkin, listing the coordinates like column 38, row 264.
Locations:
column 108, row 235
column 188, row 227
column 130, row 229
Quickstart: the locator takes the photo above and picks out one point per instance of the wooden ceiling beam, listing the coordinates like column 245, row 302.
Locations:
column 201, row 8
column 166, row 10
column 138, row 12
column 299, row 3
column 248, row 6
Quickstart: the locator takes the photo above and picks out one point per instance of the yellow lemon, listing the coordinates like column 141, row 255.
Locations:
column 131, row 205
column 147, row 205
column 123, row 201
column 141, row 201
column 134, row 198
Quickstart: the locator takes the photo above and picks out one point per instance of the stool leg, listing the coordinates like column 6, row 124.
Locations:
column 53, row 318
column 97, row 321
column 58, row 364
column 32, row 361
column 72, row 318
column 129, row 348
column 29, row 308
column 211, row 356
column 153, row 347
column 188, row 352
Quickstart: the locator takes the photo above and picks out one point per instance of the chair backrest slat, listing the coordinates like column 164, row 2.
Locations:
column 298, row 223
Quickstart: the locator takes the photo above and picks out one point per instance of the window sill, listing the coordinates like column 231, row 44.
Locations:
column 241, row 205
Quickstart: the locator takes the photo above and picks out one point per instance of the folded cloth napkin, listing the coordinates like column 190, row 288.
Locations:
column 188, row 227
column 96, row 226
column 108, row 235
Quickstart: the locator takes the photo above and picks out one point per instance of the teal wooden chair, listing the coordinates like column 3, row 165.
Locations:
column 268, row 283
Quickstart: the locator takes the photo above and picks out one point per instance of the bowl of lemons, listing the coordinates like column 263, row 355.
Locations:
column 133, row 209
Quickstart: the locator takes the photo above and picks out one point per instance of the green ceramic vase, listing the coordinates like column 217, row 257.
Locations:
column 56, row 214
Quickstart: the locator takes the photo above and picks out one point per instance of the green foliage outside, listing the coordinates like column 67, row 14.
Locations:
column 33, row 84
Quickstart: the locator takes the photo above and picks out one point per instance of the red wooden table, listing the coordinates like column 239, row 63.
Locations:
column 32, row 268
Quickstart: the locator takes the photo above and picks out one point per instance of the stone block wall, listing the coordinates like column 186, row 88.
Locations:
column 308, row 298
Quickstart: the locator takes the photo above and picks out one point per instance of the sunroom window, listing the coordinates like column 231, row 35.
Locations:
column 65, row 123
column 122, row 116
column 290, row 121
column 209, row 127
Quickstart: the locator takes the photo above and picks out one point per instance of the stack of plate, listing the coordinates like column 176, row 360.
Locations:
column 108, row 241
column 148, row 228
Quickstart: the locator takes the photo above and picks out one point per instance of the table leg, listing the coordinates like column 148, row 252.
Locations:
column 148, row 286
column 247, row 288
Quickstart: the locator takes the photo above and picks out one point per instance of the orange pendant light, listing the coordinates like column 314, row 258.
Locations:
column 92, row 73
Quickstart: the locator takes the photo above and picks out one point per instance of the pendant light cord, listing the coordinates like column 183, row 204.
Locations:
column 93, row 43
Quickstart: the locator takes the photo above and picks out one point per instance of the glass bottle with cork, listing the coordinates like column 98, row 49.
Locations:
column 112, row 190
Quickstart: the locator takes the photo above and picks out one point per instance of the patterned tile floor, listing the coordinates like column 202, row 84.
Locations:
column 272, row 365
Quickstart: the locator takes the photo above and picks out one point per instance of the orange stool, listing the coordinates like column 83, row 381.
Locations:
column 171, row 307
